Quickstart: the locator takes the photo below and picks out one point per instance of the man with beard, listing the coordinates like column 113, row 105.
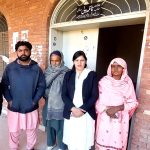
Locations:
column 53, row 109
column 24, row 84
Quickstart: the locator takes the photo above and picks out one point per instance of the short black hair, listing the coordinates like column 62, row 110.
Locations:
column 78, row 54
column 23, row 43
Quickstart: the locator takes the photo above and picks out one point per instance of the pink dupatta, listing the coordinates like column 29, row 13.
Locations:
column 120, row 91
column 112, row 133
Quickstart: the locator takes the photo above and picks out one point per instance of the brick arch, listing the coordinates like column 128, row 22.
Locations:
column 5, row 14
column 45, row 21
column 3, row 23
column 50, row 6
column 3, row 40
column 65, row 11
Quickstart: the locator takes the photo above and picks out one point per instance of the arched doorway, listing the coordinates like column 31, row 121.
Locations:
column 3, row 42
column 64, row 26
column 69, row 34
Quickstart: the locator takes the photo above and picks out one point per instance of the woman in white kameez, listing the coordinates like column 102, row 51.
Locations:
column 79, row 93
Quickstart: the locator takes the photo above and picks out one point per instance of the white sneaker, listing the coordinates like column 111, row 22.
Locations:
column 50, row 147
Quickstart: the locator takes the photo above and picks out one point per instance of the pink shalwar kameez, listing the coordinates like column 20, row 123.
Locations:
column 18, row 122
column 112, row 133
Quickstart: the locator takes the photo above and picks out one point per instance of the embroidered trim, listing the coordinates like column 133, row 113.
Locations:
column 109, row 146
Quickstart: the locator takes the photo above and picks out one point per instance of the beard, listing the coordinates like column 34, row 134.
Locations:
column 55, row 67
column 24, row 58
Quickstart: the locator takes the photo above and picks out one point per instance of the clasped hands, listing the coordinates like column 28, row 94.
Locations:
column 77, row 112
column 112, row 110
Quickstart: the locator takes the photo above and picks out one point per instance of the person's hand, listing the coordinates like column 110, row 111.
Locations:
column 76, row 112
column 112, row 110
column 83, row 110
column 39, row 116
column 41, row 103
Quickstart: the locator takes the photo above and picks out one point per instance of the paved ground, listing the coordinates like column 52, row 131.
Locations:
column 41, row 143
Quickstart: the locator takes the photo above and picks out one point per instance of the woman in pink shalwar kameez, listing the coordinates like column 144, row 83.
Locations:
column 115, row 106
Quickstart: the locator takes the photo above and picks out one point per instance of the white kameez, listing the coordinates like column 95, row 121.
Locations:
column 79, row 132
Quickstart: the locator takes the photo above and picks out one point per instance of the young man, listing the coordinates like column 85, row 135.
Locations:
column 24, row 84
column 53, row 110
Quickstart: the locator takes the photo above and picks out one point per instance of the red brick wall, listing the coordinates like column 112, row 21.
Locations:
column 33, row 16
column 141, row 131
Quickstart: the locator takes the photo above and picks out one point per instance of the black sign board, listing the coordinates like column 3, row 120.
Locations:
column 88, row 11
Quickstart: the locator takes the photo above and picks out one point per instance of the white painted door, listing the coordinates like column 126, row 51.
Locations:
column 85, row 40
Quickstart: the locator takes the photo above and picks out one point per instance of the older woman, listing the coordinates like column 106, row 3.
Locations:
column 53, row 109
column 115, row 106
column 79, row 93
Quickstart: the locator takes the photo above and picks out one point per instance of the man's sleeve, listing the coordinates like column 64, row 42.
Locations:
column 41, row 86
column 6, row 86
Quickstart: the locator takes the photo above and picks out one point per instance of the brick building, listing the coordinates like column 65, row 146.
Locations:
column 119, row 28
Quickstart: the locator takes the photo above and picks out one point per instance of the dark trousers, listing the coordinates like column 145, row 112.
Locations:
column 55, row 133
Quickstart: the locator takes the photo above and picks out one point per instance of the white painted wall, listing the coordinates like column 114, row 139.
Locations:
column 75, row 40
column 56, row 40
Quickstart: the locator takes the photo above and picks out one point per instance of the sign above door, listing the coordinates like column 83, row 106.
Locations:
column 89, row 11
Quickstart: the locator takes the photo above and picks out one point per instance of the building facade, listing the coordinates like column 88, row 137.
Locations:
column 103, row 29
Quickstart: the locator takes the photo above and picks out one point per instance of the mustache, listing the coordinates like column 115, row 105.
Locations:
column 23, row 56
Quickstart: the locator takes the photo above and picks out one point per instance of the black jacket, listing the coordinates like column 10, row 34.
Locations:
column 89, row 93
